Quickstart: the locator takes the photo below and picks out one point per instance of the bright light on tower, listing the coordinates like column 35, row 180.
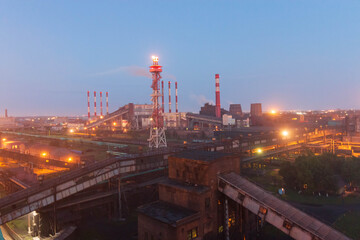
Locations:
column 285, row 133
column 155, row 58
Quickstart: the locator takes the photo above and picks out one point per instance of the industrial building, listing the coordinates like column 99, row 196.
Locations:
column 43, row 151
column 188, row 206
column 255, row 114
column 235, row 110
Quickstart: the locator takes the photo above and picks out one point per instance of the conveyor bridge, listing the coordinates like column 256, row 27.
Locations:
column 278, row 213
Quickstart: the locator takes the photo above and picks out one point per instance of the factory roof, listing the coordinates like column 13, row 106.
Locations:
column 167, row 213
column 187, row 187
column 205, row 156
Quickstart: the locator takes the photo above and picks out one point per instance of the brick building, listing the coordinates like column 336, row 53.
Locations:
column 188, row 200
column 235, row 110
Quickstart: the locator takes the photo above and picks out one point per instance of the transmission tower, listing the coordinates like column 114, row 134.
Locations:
column 157, row 130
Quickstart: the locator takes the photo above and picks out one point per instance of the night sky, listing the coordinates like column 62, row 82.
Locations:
column 285, row 54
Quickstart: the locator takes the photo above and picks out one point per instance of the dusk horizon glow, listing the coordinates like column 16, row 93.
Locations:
column 297, row 55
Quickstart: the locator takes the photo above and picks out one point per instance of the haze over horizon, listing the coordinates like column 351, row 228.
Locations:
column 283, row 54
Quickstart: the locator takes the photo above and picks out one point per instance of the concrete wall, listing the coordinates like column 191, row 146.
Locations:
column 201, row 172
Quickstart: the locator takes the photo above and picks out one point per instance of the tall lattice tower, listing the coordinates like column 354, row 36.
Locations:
column 157, row 130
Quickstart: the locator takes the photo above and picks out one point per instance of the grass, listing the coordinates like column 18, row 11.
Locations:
column 349, row 224
column 271, row 181
column 293, row 196
column 19, row 225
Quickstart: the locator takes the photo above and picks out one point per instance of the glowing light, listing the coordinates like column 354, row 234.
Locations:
column 272, row 111
column 101, row 117
column 4, row 139
column 69, row 159
column 259, row 150
column 114, row 123
column 155, row 58
column 285, row 133
column 93, row 129
column 71, row 130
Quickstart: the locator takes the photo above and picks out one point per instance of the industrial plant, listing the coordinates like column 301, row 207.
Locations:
column 184, row 175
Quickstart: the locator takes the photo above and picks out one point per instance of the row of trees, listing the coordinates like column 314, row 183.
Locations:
column 320, row 173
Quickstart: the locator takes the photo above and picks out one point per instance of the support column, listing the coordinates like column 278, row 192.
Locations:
column 54, row 211
column 226, row 222
column 29, row 223
column 119, row 197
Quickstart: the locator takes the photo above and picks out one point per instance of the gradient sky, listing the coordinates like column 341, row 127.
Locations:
column 284, row 54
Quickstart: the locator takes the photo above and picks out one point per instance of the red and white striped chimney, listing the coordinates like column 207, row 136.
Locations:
column 162, row 97
column 94, row 103
column 101, row 112
column 88, row 98
column 107, row 103
column 176, row 97
column 169, row 98
column 217, row 95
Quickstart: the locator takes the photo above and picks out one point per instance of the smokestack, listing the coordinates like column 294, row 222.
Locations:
column 169, row 98
column 101, row 112
column 88, row 98
column 107, row 103
column 6, row 114
column 217, row 95
column 176, row 97
column 94, row 103
column 162, row 97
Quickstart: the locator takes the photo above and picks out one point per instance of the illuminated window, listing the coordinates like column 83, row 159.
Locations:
column 263, row 210
column 287, row 225
column 192, row 234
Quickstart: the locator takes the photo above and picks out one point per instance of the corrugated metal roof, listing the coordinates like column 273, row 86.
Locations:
column 296, row 216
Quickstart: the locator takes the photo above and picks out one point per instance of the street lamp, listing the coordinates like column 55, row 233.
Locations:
column 285, row 133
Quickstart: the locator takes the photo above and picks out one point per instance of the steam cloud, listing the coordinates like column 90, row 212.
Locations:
column 200, row 99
